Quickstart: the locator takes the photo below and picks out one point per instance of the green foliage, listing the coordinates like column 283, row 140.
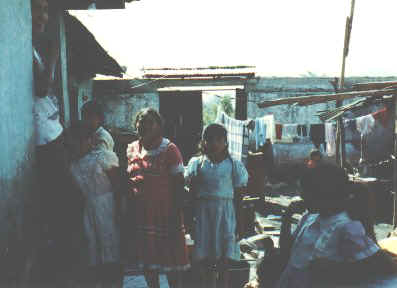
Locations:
column 209, row 113
column 227, row 106
column 210, row 110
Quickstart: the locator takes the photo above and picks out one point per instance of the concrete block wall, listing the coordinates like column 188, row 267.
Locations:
column 261, row 89
column 121, row 110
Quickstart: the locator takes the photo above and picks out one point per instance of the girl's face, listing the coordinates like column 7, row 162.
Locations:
column 149, row 130
column 216, row 145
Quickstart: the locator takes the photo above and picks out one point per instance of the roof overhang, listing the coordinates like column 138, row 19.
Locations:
column 90, row 4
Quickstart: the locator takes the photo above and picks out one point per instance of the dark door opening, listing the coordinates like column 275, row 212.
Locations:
column 183, row 113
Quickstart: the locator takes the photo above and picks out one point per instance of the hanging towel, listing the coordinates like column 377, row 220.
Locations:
column 268, row 120
column 330, row 138
column 237, row 136
column 290, row 131
column 317, row 134
column 260, row 132
column 365, row 124
column 279, row 131
column 382, row 116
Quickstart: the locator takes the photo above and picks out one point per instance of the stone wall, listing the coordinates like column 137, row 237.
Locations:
column 121, row 110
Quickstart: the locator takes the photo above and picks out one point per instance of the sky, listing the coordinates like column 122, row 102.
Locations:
column 279, row 37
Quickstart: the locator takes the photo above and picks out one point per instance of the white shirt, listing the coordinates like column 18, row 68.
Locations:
column 337, row 238
column 46, row 120
column 45, row 114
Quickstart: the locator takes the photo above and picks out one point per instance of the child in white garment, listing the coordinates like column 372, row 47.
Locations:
column 217, row 180
column 95, row 172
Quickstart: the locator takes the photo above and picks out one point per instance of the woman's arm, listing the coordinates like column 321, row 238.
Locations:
column 178, row 184
column 286, row 237
column 350, row 272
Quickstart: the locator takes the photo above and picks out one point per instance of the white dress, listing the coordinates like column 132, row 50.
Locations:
column 99, row 214
column 215, row 217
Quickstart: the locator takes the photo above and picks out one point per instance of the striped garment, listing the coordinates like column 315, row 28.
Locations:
column 237, row 136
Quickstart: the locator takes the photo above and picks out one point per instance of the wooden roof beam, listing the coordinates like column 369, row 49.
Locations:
column 315, row 99
column 373, row 85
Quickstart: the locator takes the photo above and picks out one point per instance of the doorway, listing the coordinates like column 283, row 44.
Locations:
column 182, row 112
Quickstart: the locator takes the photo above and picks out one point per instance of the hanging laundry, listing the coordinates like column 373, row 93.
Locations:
column 350, row 129
column 290, row 131
column 382, row 116
column 330, row 138
column 268, row 120
column 365, row 124
column 279, row 131
column 237, row 135
column 317, row 134
column 260, row 132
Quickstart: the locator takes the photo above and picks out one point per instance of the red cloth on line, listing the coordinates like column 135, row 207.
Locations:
column 279, row 131
column 382, row 116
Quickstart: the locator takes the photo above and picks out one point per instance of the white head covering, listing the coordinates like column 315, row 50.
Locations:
column 103, row 140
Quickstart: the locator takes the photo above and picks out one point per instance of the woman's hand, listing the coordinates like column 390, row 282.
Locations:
column 252, row 284
column 135, row 186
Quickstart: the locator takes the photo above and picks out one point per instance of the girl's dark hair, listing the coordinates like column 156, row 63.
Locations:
column 329, row 185
column 325, row 188
column 77, row 134
column 210, row 132
column 93, row 108
column 325, row 182
column 147, row 113
column 80, row 131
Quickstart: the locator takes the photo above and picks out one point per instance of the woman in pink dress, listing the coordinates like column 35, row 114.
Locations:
column 155, row 170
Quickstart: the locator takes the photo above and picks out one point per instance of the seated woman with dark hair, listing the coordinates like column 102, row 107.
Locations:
column 330, row 246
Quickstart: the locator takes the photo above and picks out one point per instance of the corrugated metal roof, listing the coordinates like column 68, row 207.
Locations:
column 197, row 72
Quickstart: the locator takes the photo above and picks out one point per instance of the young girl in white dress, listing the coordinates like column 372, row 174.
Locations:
column 96, row 173
column 216, row 180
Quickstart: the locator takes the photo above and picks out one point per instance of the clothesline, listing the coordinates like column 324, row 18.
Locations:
column 266, row 128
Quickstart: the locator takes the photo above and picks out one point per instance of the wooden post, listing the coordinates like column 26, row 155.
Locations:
column 341, row 144
column 64, row 71
column 394, row 163
column 241, row 104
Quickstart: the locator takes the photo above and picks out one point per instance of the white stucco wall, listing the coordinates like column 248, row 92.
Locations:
column 16, row 125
